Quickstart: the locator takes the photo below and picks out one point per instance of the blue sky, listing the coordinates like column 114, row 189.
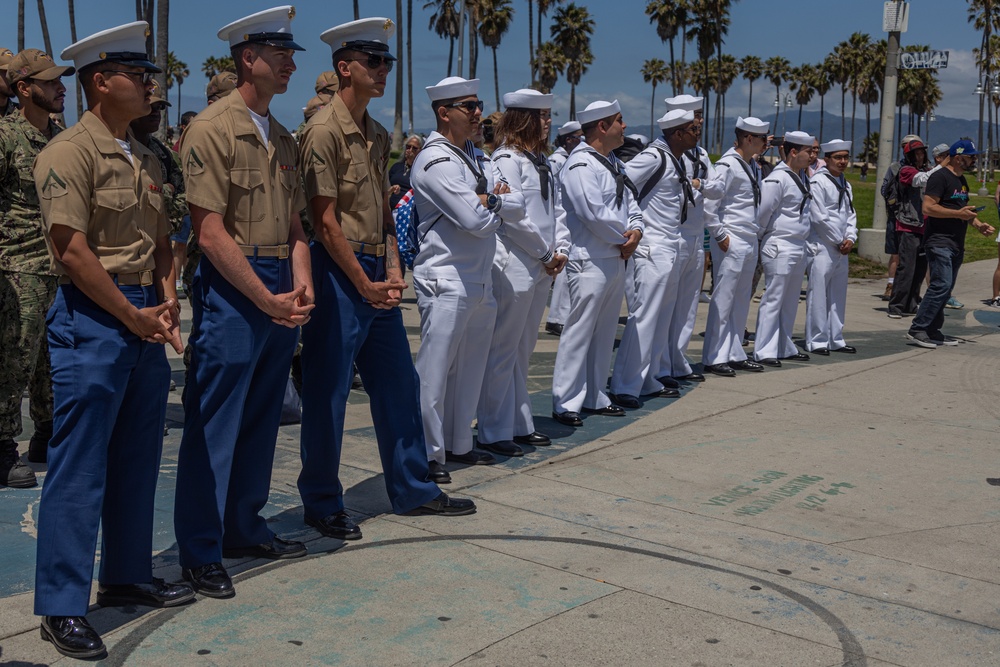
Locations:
column 802, row 31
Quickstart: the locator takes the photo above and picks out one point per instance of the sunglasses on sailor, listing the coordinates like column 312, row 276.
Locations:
column 468, row 106
column 374, row 62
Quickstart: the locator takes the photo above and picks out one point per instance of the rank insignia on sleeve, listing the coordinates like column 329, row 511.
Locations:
column 194, row 160
column 578, row 164
column 436, row 161
column 314, row 158
column 53, row 185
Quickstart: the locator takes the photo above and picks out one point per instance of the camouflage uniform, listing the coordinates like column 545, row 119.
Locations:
column 27, row 288
column 172, row 176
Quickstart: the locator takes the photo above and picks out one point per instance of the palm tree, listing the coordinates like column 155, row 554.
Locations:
column 76, row 79
column 677, row 75
column 531, row 42
column 20, row 25
column 444, row 22
column 571, row 30
column 668, row 16
column 176, row 71
column 858, row 46
column 705, row 32
column 45, row 26
column 802, row 84
column 752, row 68
column 822, row 82
column 654, row 71
column 728, row 70
column 397, row 121
column 495, row 18
column 776, row 70
column 162, row 50
column 213, row 65
column 549, row 62
column 409, row 64
column 357, row 11
column 840, row 73
column 543, row 9
column 144, row 12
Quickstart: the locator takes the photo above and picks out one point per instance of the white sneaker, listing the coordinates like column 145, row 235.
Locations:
column 995, row 302
column 922, row 339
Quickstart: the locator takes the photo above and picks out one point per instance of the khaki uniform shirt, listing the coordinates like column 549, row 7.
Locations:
column 22, row 243
column 86, row 182
column 339, row 162
column 228, row 170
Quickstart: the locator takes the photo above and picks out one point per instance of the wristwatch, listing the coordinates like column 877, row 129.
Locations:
column 492, row 202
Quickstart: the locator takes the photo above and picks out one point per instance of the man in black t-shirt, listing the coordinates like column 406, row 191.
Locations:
column 946, row 207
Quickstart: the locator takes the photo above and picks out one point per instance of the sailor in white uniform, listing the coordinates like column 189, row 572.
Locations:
column 834, row 232
column 666, row 196
column 784, row 220
column 567, row 138
column 452, row 277
column 690, row 262
column 732, row 225
column 531, row 249
column 605, row 226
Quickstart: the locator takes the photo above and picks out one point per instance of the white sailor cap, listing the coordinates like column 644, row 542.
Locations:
column 798, row 138
column 569, row 127
column 675, row 118
column 752, row 125
column 271, row 27
column 597, row 110
column 366, row 35
column 452, row 87
column 125, row 45
column 835, row 146
column 526, row 98
column 641, row 138
column 685, row 102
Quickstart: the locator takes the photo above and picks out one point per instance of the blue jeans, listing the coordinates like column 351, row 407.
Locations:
column 943, row 264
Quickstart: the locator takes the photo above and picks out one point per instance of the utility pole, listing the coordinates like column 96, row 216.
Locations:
column 871, row 242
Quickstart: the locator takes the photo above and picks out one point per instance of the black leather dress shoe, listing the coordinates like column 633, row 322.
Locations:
column 771, row 361
column 472, row 458
column 725, row 370
column 211, row 580
column 437, row 473
column 568, row 418
column 798, row 356
column 847, row 349
column 625, row 400
column 609, row 411
column 821, row 351
column 669, row 382
column 502, row 447
column 443, row 505
column 339, row 526
column 156, row 593
column 535, row 439
column 72, row 636
column 690, row 377
column 276, row 549
column 553, row 328
column 746, row 365
column 666, row 392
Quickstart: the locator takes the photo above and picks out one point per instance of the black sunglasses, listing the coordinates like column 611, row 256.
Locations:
column 374, row 62
column 468, row 106
column 144, row 77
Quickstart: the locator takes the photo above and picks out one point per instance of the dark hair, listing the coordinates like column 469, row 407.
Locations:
column 593, row 124
column 237, row 54
column 521, row 129
column 187, row 117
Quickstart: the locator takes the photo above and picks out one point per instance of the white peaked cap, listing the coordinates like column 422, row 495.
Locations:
column 272, row 27
column 675, row 118
column 526, row 98
column 453, row 86
column 598, row 110
column 835, row 146
column 365, row 35
column 752, row 125
column 799, row 138
column 685, row 102
column 124, row 44
column 569, row 127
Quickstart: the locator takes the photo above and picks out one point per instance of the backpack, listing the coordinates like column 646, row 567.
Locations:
column 890, row 189
column 899, row 199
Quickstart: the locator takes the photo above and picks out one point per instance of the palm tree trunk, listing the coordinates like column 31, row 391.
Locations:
column 652, row 113
column 496, row 78
column 843, row 112
column 868, row 120
column 572, row 101
column 673, row 70
column 451, row 53
column 20, row 25
column 45, row 26
column 162, row 48
column 357, row 11
column 799, row 126
column 750, row 103
column 180, row 82
column 397, row 125
column 777, row 109
column 76, row 79
column 854, row 112
column 409, row 64
column 822, row 99
column 531, row 40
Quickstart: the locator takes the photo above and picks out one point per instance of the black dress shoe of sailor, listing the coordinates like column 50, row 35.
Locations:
column 725, row 370
column 437, row 473
column 846, row 349
column 666, row 392
column 568, row 418
column 502, row 447
column 553, row 328
column 821, row 351
column 746, row 365
column 625, row 401
column 338, row 526
column 607, row 411
column 471, row 457
column 444, row 505
column 276, row 549
column 798, row 356
column 72, row 636
column 157, row 593
column 690, row 377
column 211, row 580
column 535, row 439
column 669, row 382
column 770, row 361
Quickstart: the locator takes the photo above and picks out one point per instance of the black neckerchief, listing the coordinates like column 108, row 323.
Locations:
column 622, row 180
column 544, row 172
column 697, row 166
column 752, row 174
column 481, row 182
column 804, row 189
column 841, row 191
column 688, row 198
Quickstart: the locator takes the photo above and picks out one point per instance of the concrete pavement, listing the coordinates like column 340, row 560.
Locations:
column 827, row 513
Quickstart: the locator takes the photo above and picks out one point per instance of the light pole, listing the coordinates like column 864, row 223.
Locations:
column 782, row 108
column 986, row 89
